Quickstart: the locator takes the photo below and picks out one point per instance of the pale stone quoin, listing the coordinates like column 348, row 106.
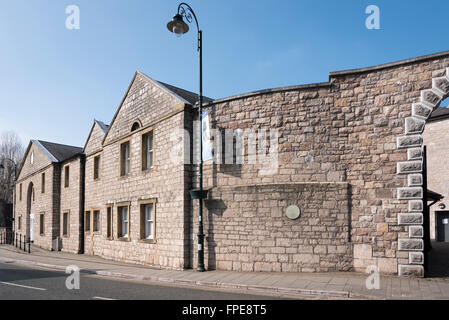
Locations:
column 349, row 155
column 410, row 218
column 416, row 258
column 410, row 193
column 411, row 244
column 416, row 205
column 414, row 154
column 409, row 167
column 415, row 180
column 409, row 141
column 421, row 110
column 414, row 125
column 416, row 231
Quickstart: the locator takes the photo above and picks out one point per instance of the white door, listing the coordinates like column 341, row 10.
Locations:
column 31, row 227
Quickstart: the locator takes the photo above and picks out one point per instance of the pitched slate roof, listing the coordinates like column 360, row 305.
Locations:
column 191, row 97
column 439, row 114
column 60, row 152
column 103, row 126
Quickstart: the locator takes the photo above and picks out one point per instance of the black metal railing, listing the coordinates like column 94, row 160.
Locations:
column 16, row 239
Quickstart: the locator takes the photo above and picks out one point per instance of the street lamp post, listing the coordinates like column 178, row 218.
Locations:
column 179, row 27
column 2, row 167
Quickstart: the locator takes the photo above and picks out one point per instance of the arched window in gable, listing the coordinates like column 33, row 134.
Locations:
column 136, row 126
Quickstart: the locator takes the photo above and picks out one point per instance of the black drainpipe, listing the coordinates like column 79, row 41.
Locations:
column 82, row 197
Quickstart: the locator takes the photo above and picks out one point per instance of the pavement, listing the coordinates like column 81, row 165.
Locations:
column 339, row 286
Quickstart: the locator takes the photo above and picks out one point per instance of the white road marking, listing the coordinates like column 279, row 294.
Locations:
column 102, row 298
column 22, row 286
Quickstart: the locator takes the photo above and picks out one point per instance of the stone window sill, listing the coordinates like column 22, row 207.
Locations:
column 148, row 241
column 124, row 177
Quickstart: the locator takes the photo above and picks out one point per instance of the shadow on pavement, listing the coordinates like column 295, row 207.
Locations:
column 438, row 260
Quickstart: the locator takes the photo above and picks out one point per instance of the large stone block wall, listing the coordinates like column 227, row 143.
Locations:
column 70, row 202
column 365, row 128
column 248, row 230
column 396, row 102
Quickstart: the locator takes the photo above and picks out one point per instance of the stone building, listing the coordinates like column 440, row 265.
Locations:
column 344, row 155
column 48, row 185
column 435, row 138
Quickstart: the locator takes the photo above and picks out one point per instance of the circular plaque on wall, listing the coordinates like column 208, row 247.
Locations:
column 293, row 212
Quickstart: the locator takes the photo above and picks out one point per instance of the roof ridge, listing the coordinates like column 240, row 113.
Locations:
column 184, row 95
column 60, row 144
column 179, row 88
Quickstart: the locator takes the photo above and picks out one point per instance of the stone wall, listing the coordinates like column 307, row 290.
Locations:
column 71, row 203
column 248, row 230
column 363, row 128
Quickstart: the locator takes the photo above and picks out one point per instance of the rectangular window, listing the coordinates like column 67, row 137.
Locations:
column 43, row 183
column 20, row 193
column 97, row 168
column 123, row 222
column 96, row 223
column 125, row 160
column 41, row 224
column 147, row 215
column 109, row 222
column 66, row 176
column 147, row 151
column 87, row 221
column 65, row 224
column 20, row 223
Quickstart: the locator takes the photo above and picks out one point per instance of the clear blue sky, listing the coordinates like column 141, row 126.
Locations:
column 54, row 82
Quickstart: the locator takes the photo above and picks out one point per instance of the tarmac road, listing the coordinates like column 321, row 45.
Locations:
column 23, row 283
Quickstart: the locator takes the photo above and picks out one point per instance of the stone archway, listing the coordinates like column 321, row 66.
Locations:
column 29, row 217
column 412, row 141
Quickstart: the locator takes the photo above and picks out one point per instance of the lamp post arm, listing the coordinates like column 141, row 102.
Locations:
column 187, row 13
